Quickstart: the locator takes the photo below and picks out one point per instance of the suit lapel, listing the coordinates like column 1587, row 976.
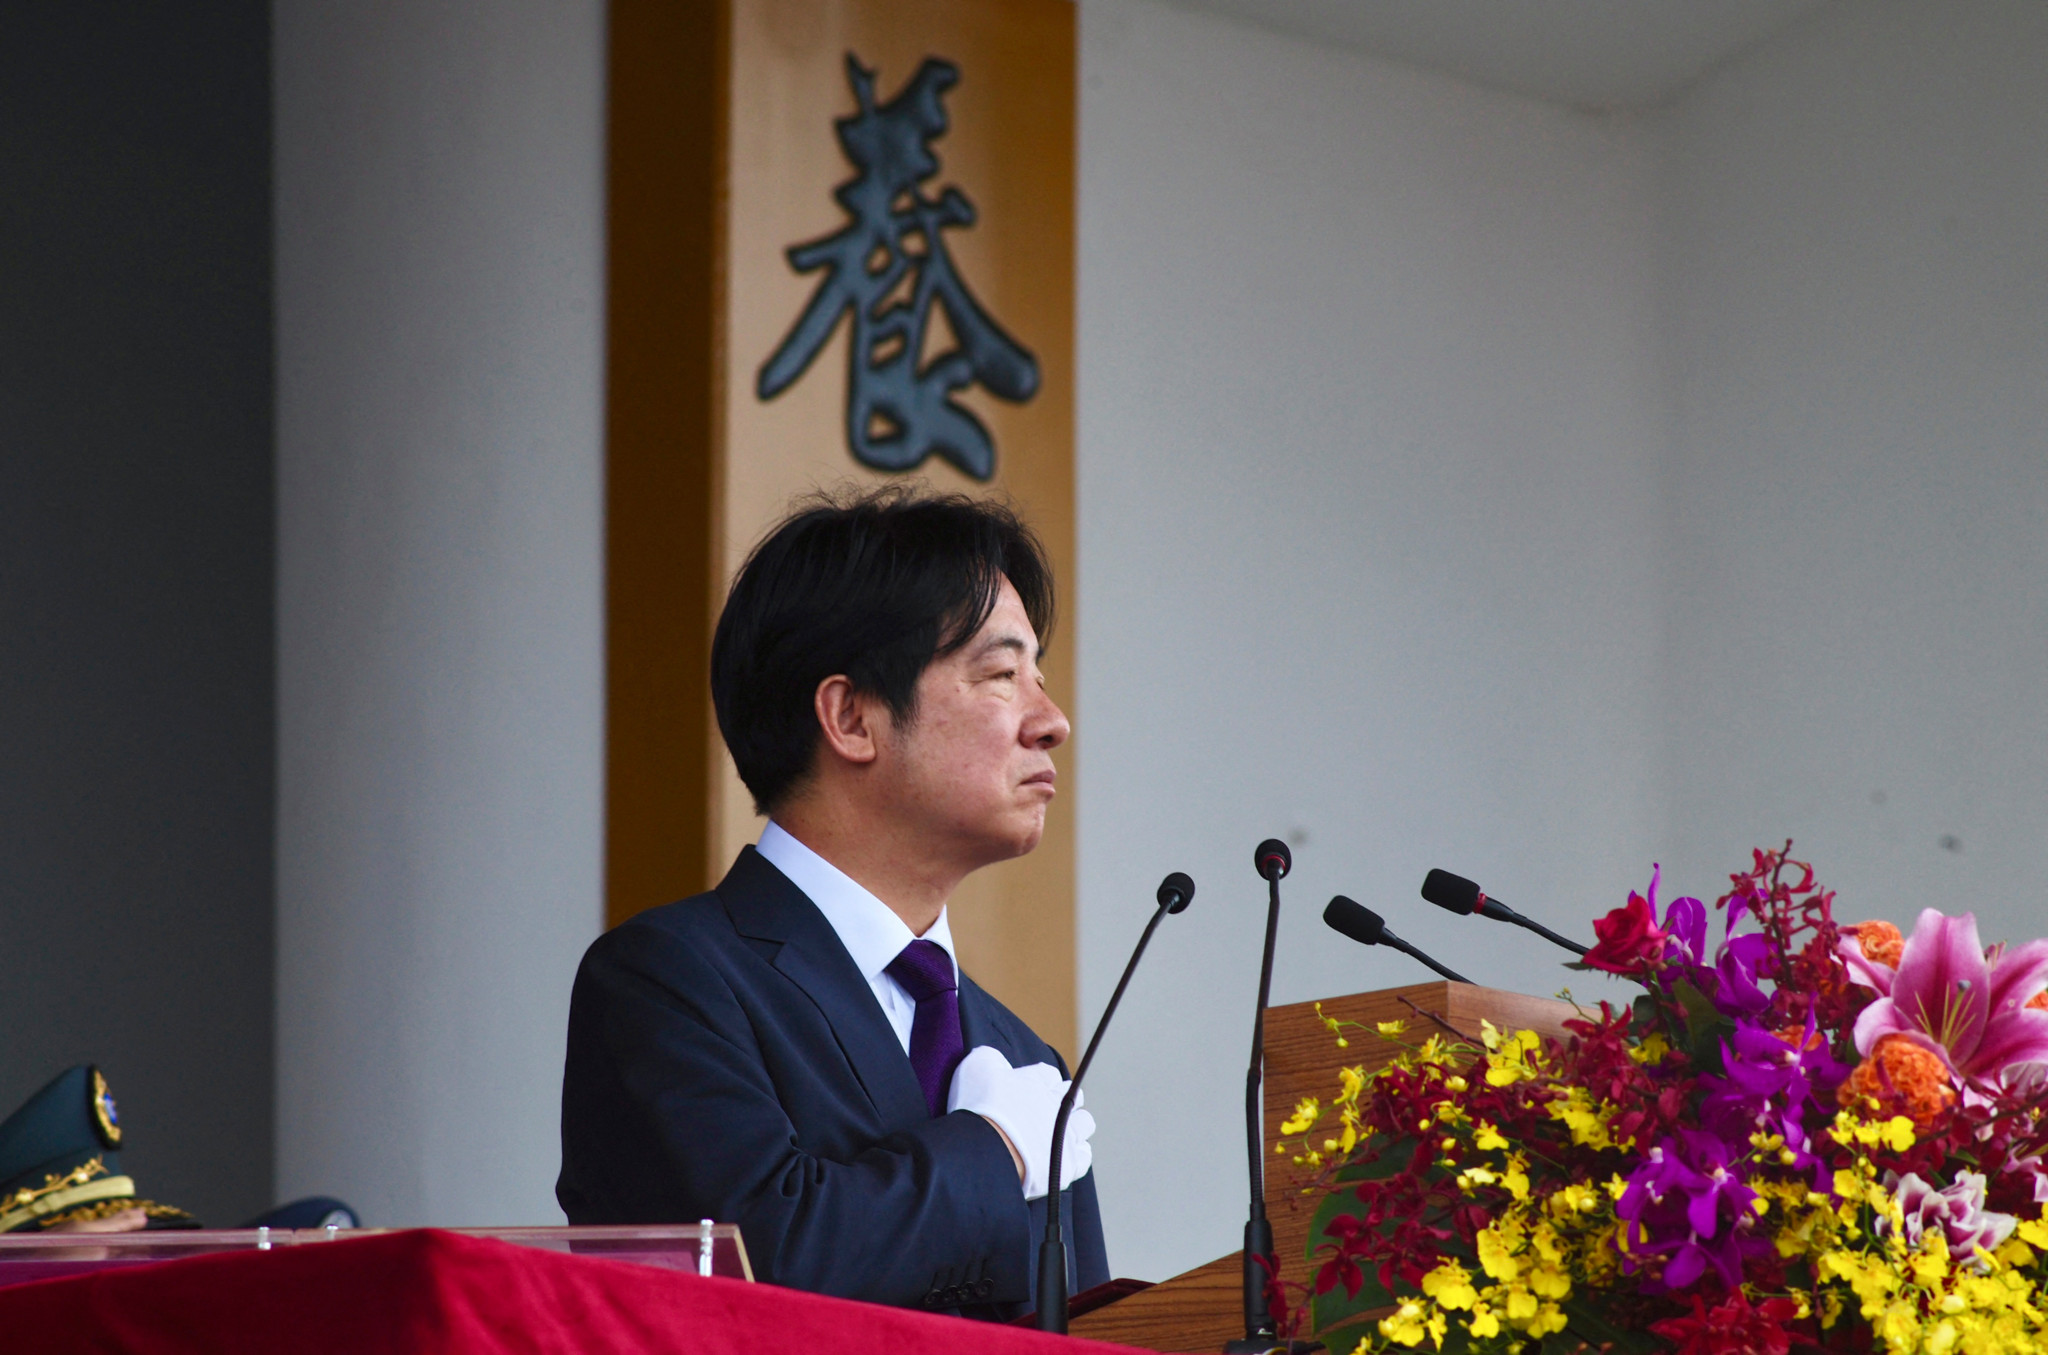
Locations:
column 984, row 1021
column 977, row 1019
column 763, row 904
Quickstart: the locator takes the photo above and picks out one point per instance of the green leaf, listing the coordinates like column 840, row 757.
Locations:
column 1704, row 1025
column 1458, row 1341
column 1327, row 1310
column 1699, row 1011
column 1347, row 1339
column 1334, row 1206
column 1392, row 1161
column 1589, row 1327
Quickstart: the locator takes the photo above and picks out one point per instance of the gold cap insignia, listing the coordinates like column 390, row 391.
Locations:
column 106, row 1120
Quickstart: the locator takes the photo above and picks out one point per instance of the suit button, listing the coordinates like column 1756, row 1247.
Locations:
column 933, row 1298
column 986, row 1287
column 956, row 1294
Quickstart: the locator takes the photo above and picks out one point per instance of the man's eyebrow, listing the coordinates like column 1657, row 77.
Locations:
column 1014, row 643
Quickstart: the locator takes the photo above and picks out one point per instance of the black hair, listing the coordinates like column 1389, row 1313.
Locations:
column 874, row 585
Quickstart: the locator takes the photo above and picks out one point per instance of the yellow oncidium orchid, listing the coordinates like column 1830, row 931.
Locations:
column 1411, row 1322
column 1587, row 1121
column 1509, row 1061
column 1516, row 1177
column 1895, row 1133
column 1450, row 1284
column 1477, row 1176
column 1652, row 1050
column 1497, row 1245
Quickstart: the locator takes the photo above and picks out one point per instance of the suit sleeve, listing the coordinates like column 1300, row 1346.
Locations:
column 669, row 1115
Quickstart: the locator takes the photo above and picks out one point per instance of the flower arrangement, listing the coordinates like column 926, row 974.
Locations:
column 1811, row 1136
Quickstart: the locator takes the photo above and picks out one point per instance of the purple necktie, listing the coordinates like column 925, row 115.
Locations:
column 926, row 973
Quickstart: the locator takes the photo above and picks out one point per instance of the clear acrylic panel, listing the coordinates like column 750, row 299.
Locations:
column 696, row 1248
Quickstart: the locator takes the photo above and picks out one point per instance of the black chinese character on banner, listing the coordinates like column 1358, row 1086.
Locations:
column 888, row 267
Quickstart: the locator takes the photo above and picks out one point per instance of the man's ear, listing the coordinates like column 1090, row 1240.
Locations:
column 848, row 720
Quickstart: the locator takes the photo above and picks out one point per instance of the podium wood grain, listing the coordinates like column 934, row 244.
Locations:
column 1196, row 1311
column 1203, row 1308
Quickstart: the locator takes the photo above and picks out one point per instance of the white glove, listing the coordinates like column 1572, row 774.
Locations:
column 1023, row 1103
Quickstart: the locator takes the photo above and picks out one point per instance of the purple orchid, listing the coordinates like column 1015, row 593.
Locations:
column 1685, row 923
column 1686, row 1203
column 1740, row 966
column 1949, row 996
column 1769, row 1083
column 1685, row 939
column 1958, row 1213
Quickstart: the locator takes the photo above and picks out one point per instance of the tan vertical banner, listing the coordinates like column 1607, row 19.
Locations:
column 910, row 162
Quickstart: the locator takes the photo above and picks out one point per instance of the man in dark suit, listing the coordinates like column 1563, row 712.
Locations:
column 796, row 1050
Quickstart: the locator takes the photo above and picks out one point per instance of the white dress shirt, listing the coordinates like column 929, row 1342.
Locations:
column 869, row 929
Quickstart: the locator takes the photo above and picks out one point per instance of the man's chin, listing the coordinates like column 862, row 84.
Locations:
column 1018, row 842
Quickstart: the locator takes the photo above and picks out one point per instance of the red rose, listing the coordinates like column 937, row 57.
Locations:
column 1628, row 936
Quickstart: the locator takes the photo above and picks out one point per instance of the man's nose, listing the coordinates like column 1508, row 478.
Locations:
column 1047, row 726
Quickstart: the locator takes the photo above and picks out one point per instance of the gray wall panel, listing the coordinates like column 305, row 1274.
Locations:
column 136, row 638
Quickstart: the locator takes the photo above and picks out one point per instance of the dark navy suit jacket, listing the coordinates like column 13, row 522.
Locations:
column 727, row 1060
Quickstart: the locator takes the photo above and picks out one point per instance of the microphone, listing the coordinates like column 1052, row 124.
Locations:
column 1362, row 924
column 1272, row 860
column 1461, row 896
column 1176, row 892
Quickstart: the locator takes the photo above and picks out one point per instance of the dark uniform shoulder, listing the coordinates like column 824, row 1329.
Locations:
column 671, row 940
column 707, row 918
column 684, row 917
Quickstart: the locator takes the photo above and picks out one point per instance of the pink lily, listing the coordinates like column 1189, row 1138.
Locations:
column 1950, row 996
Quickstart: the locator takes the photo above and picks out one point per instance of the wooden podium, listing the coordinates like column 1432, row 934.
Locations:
column 1203, row 1308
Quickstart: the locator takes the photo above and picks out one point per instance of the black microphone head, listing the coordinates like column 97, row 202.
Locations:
column 1272, row 860
column 1454, row 892
column 1355, row 920
column 1176, row 892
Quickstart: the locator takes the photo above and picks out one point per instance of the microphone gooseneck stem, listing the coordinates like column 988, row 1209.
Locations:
column 1258, row 1233
column 1545, row 933
column 1052, row 1253
column 1500, row 912
column 1388, row 938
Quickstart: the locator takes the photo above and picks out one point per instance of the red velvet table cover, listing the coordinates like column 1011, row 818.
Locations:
column 429, row 1291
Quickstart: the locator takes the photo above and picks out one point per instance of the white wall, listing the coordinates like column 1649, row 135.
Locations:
column 1468, row 482
column 1855, row 256
column 1369, row 490
column 439, row 272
